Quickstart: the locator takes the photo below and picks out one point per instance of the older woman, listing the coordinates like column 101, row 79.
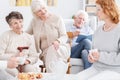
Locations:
column 106, row 39
column 82, row 34
column 49, row 33
column 17, row 43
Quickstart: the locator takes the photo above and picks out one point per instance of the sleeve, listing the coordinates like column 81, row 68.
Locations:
column 111, row 58
column 62, row 32
column 3, row 65
column 93, row 36
column 86, row 30
column 30, row 28
column 33, row 55
column 4, row 42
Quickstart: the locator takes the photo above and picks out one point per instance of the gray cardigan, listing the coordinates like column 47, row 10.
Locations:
column 108, row 45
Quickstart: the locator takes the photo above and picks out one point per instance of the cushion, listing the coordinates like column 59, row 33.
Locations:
column 68, row 23
column 76, row 61
column 92, row 22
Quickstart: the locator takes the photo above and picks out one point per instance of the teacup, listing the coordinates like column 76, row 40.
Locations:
column 91, row 53
column 21, row 60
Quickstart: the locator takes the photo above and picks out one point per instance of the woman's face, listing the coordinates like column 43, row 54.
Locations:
column 16, row 25
column 42, row 13
column 101, row 15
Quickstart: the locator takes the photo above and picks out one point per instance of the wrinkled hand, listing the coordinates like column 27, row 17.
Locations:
column 12, row 62
column 56, row 44
column 93, row 56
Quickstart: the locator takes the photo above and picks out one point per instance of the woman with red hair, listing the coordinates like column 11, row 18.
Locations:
column 105, row 53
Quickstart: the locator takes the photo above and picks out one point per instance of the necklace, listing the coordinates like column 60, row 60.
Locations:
column 107, row 28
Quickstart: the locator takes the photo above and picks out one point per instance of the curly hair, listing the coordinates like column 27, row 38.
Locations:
column 110, row 8
column 13, row 15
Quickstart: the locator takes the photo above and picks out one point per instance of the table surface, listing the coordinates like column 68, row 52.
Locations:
column 53, row 76
column 56, row 76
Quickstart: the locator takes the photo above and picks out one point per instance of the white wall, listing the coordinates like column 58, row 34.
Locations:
column 65, row 8
column 5, row 9
column 3, row 13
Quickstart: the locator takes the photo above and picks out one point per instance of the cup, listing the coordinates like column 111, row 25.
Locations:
column 21, row 60
column 91, row 53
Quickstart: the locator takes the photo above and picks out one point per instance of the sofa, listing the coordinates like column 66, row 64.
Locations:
column 77, row 64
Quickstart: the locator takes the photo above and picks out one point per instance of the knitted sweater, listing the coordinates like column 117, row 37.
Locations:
column 10, row 41
column 108, row 45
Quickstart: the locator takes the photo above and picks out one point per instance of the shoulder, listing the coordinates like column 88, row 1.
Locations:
column 56, row 17
column 117, row 28
column 33, row 20
column 6, row 34
column 73, row 27
column 5, row 37
column 86, row 26
column 27, row 35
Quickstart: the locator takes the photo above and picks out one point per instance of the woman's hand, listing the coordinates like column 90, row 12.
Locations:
column 56, row 44
column 93, row 56
column 12, row 62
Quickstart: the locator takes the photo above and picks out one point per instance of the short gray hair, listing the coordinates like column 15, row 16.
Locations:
column 81, row 12
column 37, row 4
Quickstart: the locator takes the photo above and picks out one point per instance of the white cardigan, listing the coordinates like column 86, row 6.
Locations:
column 3, row 65
column 10, row 41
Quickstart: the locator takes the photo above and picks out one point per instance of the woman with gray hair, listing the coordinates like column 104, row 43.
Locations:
column 82, row 35
column 16, row 43
column 50, row 35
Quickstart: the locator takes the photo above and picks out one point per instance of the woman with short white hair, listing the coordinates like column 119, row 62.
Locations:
column 50, row 35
